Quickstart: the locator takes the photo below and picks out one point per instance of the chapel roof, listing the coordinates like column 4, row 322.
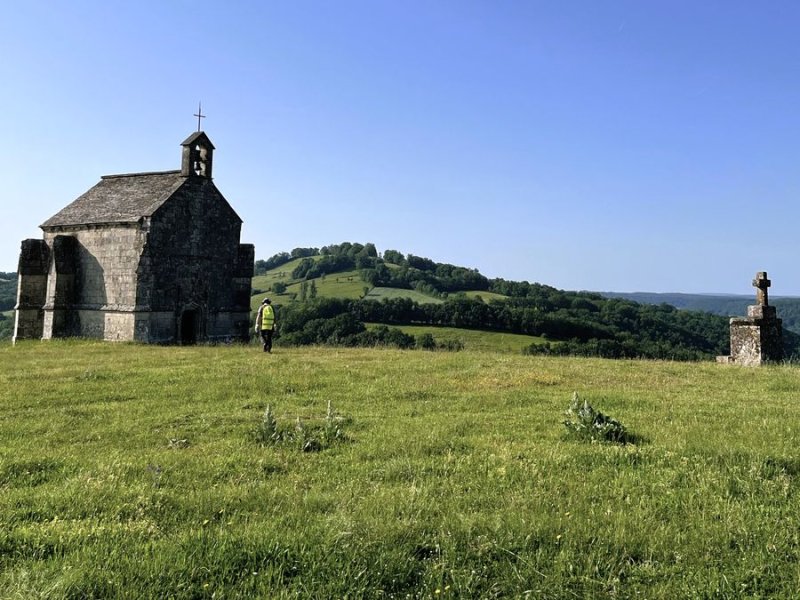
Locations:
column 119, row 199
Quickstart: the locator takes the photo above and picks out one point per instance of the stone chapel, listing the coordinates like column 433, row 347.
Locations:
column 147, row 257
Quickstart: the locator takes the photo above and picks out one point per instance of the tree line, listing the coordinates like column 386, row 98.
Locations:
column 8, row 290
column 730, row 306
column 616, row 329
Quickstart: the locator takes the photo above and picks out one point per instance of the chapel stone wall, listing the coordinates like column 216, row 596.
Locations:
column 59, row 319
column 102, row 283
column 34, row 259
column 193, row 258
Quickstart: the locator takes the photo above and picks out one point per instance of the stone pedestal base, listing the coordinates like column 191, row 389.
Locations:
column 756, row 339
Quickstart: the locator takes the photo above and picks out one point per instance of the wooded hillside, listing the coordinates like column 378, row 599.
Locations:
column 580, row 323
column 8, row 290
column 721, row 304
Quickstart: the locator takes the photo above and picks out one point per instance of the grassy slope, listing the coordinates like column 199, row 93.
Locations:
column 457, row 477
column 347, row 284
column 485, row 296
column 379, row 293
column 491, row 341
column 282, row 274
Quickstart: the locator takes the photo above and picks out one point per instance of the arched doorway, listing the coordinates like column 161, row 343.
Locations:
column 189, row 326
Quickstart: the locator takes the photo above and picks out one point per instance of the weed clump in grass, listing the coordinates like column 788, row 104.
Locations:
column 267, row 432
column 308, row 437
column 587, row 424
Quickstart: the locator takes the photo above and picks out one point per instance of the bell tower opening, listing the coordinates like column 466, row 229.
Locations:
column 198, row 155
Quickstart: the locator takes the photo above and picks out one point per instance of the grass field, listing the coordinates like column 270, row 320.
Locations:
column 485, row 296
column 339, row 285
column 282, row 274
column 346, row 284
column 378, row 293
column 132, row 471
column 483, row 341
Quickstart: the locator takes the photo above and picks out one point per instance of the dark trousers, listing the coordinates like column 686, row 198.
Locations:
column 266, row 339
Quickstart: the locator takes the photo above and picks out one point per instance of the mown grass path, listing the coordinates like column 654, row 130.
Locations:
column 132, row 471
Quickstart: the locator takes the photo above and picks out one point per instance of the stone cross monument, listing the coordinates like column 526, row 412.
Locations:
column 758, row 337
column 761, row 283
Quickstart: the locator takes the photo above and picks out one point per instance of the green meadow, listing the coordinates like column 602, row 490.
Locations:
column 470, row 339
column 281, row 274
column 485, row 296
column 343, row 284
column 379, row 293
column 131, row 471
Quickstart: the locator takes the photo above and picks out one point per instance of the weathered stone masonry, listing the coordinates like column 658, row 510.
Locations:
column 758, row 337
column 151, row 257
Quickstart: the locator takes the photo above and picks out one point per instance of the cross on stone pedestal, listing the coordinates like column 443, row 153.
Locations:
column 762, row 283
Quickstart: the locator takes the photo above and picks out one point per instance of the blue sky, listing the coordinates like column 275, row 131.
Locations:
column 614, row 145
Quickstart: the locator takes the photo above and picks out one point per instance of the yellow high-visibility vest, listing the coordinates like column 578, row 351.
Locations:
column 267, row 317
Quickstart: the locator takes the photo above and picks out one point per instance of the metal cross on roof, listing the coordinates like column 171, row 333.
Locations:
column 199, row 114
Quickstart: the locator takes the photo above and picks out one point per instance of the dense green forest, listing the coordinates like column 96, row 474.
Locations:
column 6, row 326
column 8, row 290
column 8, row 297
column 725, row 305
column 580, row 323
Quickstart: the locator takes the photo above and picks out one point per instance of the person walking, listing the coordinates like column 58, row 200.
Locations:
column 265, row 323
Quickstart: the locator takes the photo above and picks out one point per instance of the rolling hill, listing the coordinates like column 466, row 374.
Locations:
column 330, row 296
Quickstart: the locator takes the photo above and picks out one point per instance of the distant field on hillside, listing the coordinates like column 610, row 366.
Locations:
column 379, row 293
column 485, row 296
column 277, row 300
column 282, row 274
column 134, row 471
column 346, row 284
column 483, row 341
